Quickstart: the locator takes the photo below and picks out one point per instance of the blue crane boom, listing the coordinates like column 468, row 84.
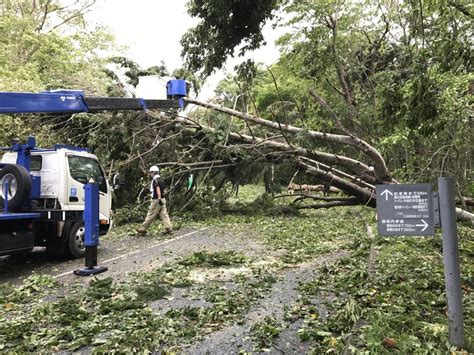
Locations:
column 74, row 101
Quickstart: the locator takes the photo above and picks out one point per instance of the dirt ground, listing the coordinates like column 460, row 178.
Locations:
column 124, row 256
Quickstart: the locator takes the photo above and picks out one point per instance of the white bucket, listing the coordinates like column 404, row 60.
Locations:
column 152, row 87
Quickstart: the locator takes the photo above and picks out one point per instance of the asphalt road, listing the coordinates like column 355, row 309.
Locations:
column 120, row 255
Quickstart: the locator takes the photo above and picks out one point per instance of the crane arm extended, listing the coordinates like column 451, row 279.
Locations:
column 74, row 101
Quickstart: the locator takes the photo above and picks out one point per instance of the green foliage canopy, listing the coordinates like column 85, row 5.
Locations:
column 46, row 45
column 223, row 26
column 397, row 74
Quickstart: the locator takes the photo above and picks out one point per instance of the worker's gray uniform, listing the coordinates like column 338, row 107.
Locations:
column 157, row 206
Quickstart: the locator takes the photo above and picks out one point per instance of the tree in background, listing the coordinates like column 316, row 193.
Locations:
column 395, row 74
column 225, row 25
column 46, row 45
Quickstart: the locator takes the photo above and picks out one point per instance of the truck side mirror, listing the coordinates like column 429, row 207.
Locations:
column 116, row 181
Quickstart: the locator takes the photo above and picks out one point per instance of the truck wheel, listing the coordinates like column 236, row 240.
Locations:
column 19, row 186
column 75, row 243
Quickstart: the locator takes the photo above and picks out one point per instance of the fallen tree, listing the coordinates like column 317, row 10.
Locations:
column 379, row 168
column 305, row 187
column 354, row 177
column 348, row 163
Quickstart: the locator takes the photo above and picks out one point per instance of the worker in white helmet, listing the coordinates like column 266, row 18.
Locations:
column 158, row 203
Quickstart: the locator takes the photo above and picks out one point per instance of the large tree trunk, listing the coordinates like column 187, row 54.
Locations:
column 359, row 186
column 358, row 168
column 364, row 196
column 380, row 169
column 463, row 215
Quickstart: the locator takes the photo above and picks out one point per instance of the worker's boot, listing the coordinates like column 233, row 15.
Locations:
column 141, row 230
column 168, row 230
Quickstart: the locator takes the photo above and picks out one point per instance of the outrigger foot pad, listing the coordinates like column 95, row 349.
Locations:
column 90, row 271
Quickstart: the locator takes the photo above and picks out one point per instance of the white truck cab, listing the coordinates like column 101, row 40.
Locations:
column 63, row 172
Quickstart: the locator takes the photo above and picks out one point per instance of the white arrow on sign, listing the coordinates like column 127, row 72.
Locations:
column 386, row 192
column 424, row 225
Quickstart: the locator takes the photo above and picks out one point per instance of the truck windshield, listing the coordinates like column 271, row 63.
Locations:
column 82, row 169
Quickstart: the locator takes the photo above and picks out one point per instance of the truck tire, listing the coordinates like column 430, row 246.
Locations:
column 75, row 243
column 19, row 189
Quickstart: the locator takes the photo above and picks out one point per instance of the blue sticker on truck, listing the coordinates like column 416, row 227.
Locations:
column 73, row 192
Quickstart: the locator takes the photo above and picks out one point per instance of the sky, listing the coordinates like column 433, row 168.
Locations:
column 151, row 30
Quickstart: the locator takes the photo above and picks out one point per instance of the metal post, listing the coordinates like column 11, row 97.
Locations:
column 452, row 273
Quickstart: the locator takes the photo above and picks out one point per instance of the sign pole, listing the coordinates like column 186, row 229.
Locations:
column 452, row 273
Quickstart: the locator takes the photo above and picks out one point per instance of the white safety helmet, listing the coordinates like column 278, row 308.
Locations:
column 155, row 169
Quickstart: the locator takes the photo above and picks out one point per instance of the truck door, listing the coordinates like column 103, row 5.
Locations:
column 81, row 170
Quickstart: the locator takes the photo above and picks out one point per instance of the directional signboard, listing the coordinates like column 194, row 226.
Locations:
column 405, row 209
column 414, row 210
